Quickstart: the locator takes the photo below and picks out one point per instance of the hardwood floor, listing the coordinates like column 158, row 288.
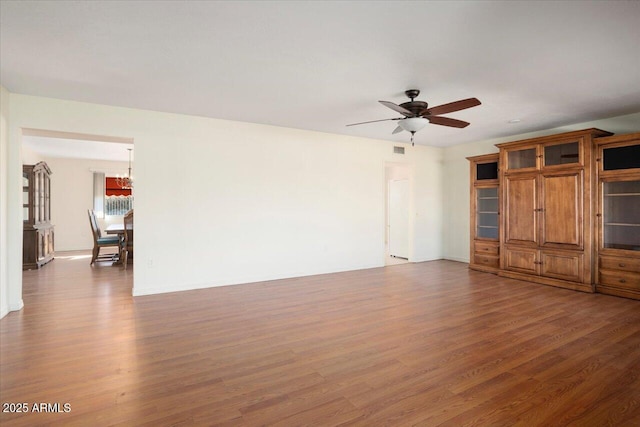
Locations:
column 415, row 344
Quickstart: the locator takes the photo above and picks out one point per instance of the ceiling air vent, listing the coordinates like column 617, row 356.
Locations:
column 398, row 150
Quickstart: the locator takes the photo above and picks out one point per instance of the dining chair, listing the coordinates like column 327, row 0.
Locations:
column 128, row 238
column 99, row 241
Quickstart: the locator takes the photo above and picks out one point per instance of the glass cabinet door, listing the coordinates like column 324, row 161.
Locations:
column 36, row 198
column 41, row 197
column 487, row 171
column 521, row 159
column 25, row 197
column 621, row 215
column 562, row 154
column 487, row 213
column 47, row 199
column 619, row 158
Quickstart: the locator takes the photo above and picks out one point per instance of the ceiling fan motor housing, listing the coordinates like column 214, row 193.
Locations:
column 416, row 107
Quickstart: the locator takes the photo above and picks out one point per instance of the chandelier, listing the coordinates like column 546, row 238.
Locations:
column 126, row 182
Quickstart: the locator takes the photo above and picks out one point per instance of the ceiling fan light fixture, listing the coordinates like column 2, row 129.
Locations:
column 413, row 124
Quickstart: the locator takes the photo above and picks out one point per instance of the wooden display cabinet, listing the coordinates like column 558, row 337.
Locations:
column 485, row 213
column 37, row 234
column 568, row 211
column 618, row 214
column 547, row 220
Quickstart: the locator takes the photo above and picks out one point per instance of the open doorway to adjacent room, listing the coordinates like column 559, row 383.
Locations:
column 397, row 213
column 81, row 168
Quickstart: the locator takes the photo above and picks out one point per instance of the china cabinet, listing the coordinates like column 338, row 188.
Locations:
column 37, row 234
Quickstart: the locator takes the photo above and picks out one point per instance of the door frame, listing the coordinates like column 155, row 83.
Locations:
column 395, row 171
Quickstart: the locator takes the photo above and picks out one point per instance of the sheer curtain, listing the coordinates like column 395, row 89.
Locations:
column 98, row 193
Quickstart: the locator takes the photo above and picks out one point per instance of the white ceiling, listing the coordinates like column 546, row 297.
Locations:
column 322, row 65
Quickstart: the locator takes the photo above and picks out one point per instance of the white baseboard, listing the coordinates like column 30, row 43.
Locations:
column 453, row 258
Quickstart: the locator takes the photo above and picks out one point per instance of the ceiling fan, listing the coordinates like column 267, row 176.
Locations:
column 417, row 114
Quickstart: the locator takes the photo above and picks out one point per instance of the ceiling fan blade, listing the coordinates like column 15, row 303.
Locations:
column 397, row 108
column 373, row 121
column 446, row 121
column 451, row 107
column 397, row 130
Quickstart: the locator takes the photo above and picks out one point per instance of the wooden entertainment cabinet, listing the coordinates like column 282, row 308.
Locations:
column 568, row 211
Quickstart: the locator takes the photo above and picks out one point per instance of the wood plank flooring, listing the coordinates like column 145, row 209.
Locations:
column 416, row 344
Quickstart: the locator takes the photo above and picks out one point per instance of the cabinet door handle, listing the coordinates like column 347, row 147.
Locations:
column 623, row 281
column 622, row 265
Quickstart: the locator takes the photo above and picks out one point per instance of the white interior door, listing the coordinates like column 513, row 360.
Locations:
column 399, row 218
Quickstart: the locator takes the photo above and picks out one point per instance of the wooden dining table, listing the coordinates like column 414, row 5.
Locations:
column 116, row 228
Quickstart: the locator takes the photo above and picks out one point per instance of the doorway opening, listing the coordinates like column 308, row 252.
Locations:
column 78, row 163
column 398, row 240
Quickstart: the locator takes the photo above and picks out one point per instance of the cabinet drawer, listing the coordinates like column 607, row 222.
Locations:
column 619, row 263
column 487, row 248
column 620, row 279
column 486, row 260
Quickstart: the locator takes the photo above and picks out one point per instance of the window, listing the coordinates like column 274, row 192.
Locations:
column 109, row 198
column 117, row 201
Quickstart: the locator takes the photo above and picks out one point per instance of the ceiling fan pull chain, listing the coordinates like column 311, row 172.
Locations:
column 412, row 133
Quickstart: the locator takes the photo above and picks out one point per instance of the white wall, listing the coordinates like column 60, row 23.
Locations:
column 4, row 143
column 30, row 157
column 456, row 177
column 71, row 196
column 221, row 202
